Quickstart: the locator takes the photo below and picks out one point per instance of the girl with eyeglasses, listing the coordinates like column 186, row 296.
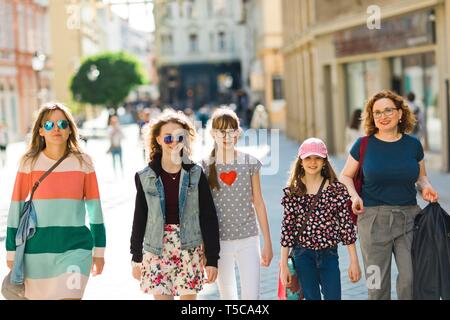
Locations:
column 175, row 223
column 393, row 165
column 234, row 179
column 63, row 252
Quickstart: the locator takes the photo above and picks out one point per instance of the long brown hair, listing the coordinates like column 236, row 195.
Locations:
column 223, row 118
column 407, row 122
column 295, row 183
column 171, row 116
column 37, row 142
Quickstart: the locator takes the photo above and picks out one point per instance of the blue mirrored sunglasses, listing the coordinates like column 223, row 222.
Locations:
column 168, row 139
column 62, row 124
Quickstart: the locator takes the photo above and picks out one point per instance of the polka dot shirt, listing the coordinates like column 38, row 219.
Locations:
column 235, row 210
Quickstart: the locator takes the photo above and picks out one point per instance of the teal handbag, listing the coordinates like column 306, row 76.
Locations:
column 295, row 291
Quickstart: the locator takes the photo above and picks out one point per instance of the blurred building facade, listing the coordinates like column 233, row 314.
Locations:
column 75, row 32
column 81, row 28
column 24, row 34
column 336, row 58
column 197, row 45
column 141, row 44
column 262, row 58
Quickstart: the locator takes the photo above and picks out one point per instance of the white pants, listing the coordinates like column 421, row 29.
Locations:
column 246, row 253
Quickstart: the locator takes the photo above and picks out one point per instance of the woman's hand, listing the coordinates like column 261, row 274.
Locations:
column 357, row 205
column 285, row 275
column 354, row 272
column 429, row 194
column 266, row 255
column 10, row 264
column 97, row 265
column 137, row 272
column 211, row 273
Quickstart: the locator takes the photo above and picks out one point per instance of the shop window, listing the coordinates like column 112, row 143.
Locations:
column 277, row 87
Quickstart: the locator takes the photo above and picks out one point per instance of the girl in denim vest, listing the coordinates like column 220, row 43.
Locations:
column 234, row 179
column 316, row 218
column 174, row 215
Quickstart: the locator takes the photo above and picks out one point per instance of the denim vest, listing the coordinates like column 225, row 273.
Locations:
column 189, row 212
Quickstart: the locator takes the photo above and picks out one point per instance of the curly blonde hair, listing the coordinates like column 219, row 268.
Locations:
column 407, row 122
column 171, row 116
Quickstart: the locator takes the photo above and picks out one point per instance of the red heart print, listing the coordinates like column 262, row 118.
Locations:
column 228, row 177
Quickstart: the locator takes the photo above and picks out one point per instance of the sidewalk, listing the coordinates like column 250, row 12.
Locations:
column 118, row 194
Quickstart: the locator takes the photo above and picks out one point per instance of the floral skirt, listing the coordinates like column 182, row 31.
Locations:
column 176, row 272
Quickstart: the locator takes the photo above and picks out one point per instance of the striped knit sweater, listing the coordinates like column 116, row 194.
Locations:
column 58, row 258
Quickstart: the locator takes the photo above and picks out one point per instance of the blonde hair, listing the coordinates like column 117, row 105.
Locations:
column 223, row 118
column 166, row 117
column 37, row 142
column 408, row 119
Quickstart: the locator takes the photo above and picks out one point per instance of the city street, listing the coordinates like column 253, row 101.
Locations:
column 118, row 192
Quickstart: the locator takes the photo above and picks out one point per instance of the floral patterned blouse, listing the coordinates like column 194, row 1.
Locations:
column 328, row 225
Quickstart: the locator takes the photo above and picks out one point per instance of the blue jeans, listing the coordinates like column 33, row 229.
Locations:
column 116, row 153
column 318, row 270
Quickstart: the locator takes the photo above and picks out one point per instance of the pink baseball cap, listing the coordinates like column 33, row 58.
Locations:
column 312, row 147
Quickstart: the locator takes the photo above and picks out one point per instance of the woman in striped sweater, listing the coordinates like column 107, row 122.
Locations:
column 59, row 257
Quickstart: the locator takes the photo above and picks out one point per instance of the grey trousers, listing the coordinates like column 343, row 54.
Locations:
column 383, row 231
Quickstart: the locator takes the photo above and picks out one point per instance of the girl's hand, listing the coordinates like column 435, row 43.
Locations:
column 10, row 264
column 137, row 272
column 266, row 256
column 357, row 205
column 211, row 273
column 97, row 266
column 285, row 275
column 429, row 194
column 354, row 272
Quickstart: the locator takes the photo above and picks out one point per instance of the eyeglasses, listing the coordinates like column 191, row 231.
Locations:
column 169, row 139
column 387, row 112
column 226, row 132
column 62, row 124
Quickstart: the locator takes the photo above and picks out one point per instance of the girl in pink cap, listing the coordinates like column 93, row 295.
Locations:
column 316, row 219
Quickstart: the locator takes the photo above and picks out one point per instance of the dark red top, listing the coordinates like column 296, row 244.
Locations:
column 171, row 187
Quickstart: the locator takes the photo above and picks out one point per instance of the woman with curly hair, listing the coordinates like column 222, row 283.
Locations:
column 393, row 165
column 175, row 218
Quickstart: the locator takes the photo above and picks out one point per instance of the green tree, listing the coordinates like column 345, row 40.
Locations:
column 107, row 79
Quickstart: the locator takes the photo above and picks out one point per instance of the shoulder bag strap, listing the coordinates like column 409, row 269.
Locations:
column 312, row 206
column 37, row 183
column 362, row 150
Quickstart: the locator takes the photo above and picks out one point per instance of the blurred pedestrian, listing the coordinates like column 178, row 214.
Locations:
column 166, row 240
column 116, row 136
column 203, row 115
column 354, row 130
column 419, row 127
column 145, row 116
column 59, row 257
column 242, row 104
column 260, row 118
column 249, row 113
column 3, row 143
column 190, row 114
